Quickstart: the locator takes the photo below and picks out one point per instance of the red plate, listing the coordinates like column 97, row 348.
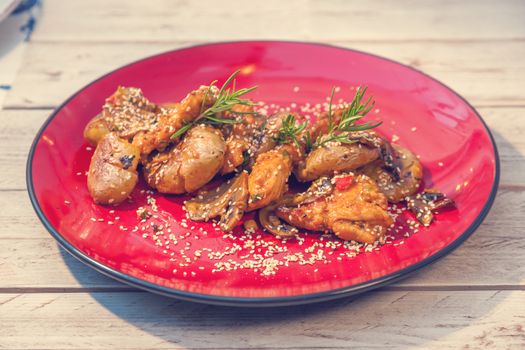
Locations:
column 455, row 146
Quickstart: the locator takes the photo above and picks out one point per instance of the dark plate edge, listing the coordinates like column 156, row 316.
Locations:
column 264, row 301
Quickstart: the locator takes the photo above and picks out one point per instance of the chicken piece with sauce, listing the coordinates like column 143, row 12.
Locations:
column 148, row 126
column 351, row 207
column 269, row 178
column 158, row 137
column 126, row 113
column 273, row 165
column 241, row 138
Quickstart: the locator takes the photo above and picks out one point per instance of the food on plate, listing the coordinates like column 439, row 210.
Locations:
column 189, row 165
column 228, row 201
column 426, row 203
column 233, row 157
column 333, row 158
column 113, row 170
column 127, row 112
column 354, row 209
column 400, row 182
column 268, row 180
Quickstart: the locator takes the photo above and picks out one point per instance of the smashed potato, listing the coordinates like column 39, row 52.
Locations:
column 112, row 173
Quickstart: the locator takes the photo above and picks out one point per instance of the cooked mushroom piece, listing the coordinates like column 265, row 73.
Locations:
column 227, row 201
column 401, row 183
column 424, row 204
column 271, row 222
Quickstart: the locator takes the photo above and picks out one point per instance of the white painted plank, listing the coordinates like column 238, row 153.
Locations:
column 154, row 20
column 17, row 132
column 485, row 73
column 393, row 320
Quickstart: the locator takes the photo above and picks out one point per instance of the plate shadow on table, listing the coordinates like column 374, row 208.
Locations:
column 358, row 319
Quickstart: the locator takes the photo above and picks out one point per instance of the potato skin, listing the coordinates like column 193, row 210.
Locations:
column 96, row 129
column 113, row 170
column 326, row 160
column 190, row 165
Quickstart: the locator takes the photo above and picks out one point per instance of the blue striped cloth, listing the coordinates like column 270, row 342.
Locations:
column 15, row 32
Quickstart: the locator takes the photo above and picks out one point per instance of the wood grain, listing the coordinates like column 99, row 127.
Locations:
column 167, row 20
column 472, row 299
column 397, row 320
column 484, row 77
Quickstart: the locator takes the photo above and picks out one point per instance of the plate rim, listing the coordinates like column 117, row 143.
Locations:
column 258, row 301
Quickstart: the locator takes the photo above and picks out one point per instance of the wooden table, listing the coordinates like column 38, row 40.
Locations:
column 473, row 298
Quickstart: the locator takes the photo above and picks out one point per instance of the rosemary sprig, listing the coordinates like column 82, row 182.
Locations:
column 289, row 131
column 227, row 98
column 182, row 131
column 356, row 111
column 308, row 142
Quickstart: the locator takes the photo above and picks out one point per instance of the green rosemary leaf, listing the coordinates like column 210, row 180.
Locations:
column 225, row 101
column 353, row 113
column 181, row 131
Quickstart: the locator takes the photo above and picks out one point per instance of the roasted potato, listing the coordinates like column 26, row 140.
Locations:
column 113, row 170
column 96, row 129
column 331, row 158
column 189, row 165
